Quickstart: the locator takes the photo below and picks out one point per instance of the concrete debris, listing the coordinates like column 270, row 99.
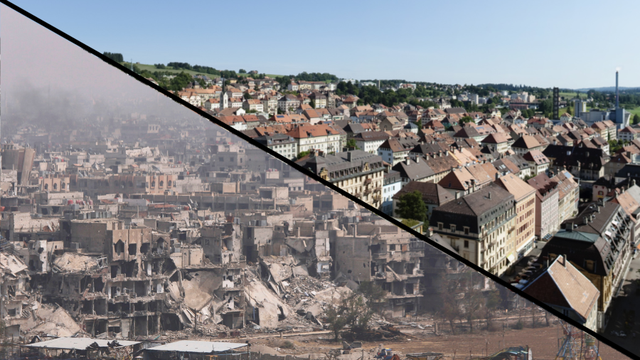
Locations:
column 198, row 291
column 72, row 262
column 269, row 309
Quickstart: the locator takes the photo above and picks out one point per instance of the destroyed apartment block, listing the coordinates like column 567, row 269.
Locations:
column 385, row 255
column 117, row 282
column 16, row 298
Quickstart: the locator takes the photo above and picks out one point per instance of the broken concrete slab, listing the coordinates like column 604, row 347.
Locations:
column 73, row 262
column 199, row 289
column 300, row 270
column 269, row 306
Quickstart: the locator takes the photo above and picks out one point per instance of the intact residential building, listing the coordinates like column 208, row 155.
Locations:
column 283, row 144
column 569, row 195
column 320, row 137
column 582, row 162
column 395, row 150
column 547, row 193
column 525, row 144
column 391, row 123
column 563, row 287
column 479, row 226
column 596, row 242
column 497, row 142
column 370, row 141
column 525, row 197
column 357, row 172
column 392, row 184
column 416, row 170
column 628, row 134
column 253, row 105
column 433, row 195
column 288, row 103
column 539, row 163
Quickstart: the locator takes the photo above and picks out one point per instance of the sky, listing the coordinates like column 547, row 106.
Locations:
column 568, row 44
column 38, row 66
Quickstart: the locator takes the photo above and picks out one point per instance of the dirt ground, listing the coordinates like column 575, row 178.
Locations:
column 543, row 342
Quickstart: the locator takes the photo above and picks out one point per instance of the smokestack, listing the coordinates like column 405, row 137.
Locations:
column 617, row 97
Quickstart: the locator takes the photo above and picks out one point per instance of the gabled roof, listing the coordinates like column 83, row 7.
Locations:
column 476, row 203
column 432, row 194
column 371, row 136
column 526, row 142
column 306, row 131
column 496, row 138
column 396, row 144
column 515, row 186
column 537, row 157
column 414, row 170
column 561, row 284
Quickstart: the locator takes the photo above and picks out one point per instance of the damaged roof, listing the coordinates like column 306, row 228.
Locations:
column 204, row 347
column 70, row 343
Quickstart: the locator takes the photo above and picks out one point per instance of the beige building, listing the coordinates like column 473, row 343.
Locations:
column 479, row 226
column 357, row 172
column 569, row 195
column 525, row 226
column 253, row 105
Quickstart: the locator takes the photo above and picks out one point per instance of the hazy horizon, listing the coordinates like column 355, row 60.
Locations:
column 534, row 44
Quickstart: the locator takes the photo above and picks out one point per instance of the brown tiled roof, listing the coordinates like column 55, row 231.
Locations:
column 306, row 131
column 526, row 142
column 442, row 163
column 565, row 286
column 497, row 138
column 537, row 157
column 515, row 186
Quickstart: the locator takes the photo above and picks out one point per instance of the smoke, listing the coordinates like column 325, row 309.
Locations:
column 54, row 109
column 47, row 108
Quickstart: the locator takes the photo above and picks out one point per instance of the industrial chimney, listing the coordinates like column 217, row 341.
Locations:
column 617, row 97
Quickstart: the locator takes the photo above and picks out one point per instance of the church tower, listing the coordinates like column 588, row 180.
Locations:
column 224, row 98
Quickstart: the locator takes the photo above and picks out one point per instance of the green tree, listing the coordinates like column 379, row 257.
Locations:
column 336, row 320
column 351, row 144
column 636, row 119
column 372, row 291
column 247, row 96
column 451, row 309
column 242, row 71
column 312, row 103
column 114, row 56
column 546, row 107
column 466, row 119
column 411, row 206
column 353, row 312
column 303, row 154
column 474, row 303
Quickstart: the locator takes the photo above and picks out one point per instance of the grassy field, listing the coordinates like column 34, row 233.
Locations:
column 635, row 111
column 152, row 68
column 571, row 95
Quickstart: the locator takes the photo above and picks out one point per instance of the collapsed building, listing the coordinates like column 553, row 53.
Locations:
column 125, row 251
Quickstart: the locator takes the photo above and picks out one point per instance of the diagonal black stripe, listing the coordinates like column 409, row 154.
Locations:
column 310, row 174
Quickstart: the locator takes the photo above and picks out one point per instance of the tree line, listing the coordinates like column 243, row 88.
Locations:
column 114, row 56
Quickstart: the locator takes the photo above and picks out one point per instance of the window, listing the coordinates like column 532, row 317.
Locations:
column 466, row 244
column 466, row 230
column 453, row 227
column 590, row 265
column 440, row 226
